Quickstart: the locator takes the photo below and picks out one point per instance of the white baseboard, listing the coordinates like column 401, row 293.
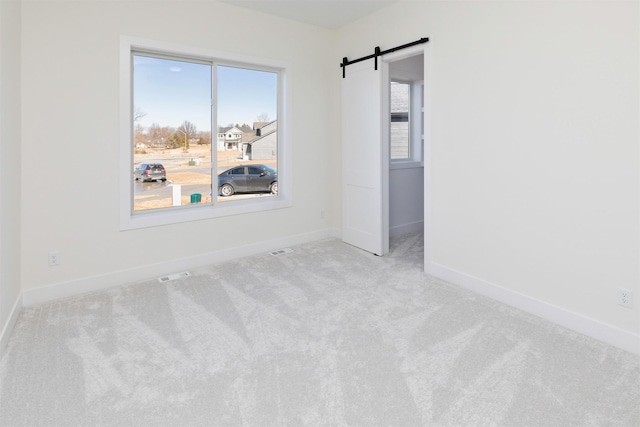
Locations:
column 10, row 324
column 579, row 323
column 146, row 272
column 399, row 230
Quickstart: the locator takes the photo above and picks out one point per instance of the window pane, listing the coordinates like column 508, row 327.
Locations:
column 172, row 132
column 400, row 135
column 247, row 132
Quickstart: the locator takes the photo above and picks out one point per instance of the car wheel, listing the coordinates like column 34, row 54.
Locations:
column 226, row 190
column 274, row 187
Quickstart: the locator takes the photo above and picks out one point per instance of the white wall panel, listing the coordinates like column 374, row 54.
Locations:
column 9, row 167
column 71, row 131
column 534, row 144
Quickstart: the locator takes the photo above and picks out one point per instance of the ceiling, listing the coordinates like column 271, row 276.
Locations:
column 331, row 14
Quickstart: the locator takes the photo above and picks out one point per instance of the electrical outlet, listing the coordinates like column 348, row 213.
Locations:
column 625, row 297
column 54, row 259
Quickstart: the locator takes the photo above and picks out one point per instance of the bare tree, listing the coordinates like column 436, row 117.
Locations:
column 138, row 114
column 189, row 131
column 159, row 136
column 263, row 118
column 204, row 138
column 139, row 136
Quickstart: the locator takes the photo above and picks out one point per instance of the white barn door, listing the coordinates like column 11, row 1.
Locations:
column 365, row 206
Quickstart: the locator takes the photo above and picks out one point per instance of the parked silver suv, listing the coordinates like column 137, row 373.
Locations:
column 150, row 172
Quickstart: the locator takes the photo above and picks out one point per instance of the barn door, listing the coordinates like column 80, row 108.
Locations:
column 364, row 159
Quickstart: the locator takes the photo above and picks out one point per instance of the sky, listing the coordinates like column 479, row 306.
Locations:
column 169, row 92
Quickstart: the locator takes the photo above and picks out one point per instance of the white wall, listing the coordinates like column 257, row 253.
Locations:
column 534, row 145
column 9, row 165
column 70, row 134
column 406, row 200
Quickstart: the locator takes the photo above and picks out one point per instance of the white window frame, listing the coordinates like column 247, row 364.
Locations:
column 156, row 217
column 409, row 84
column 416, row 126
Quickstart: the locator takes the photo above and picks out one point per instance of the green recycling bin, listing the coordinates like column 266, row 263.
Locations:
column 196, row 198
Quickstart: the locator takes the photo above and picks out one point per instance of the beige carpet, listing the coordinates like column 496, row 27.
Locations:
column 327, row 335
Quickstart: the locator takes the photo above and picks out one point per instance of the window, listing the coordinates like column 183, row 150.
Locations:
column 172, row 125
column 193, row 115
column 400, row 134
column 406, row 121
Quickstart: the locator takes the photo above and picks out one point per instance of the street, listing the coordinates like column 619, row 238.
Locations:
column 192, row 179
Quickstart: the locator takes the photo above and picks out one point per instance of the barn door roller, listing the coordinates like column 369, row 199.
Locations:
column 378, row 53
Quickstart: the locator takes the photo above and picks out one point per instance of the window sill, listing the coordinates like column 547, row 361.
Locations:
column 405, row 164
column 153, row 218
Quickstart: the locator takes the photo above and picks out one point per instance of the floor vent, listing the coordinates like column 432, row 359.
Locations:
column 281, row 251
column 171, row 277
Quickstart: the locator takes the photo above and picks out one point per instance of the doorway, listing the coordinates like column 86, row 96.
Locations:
column 369, row 194
column 406, row 145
